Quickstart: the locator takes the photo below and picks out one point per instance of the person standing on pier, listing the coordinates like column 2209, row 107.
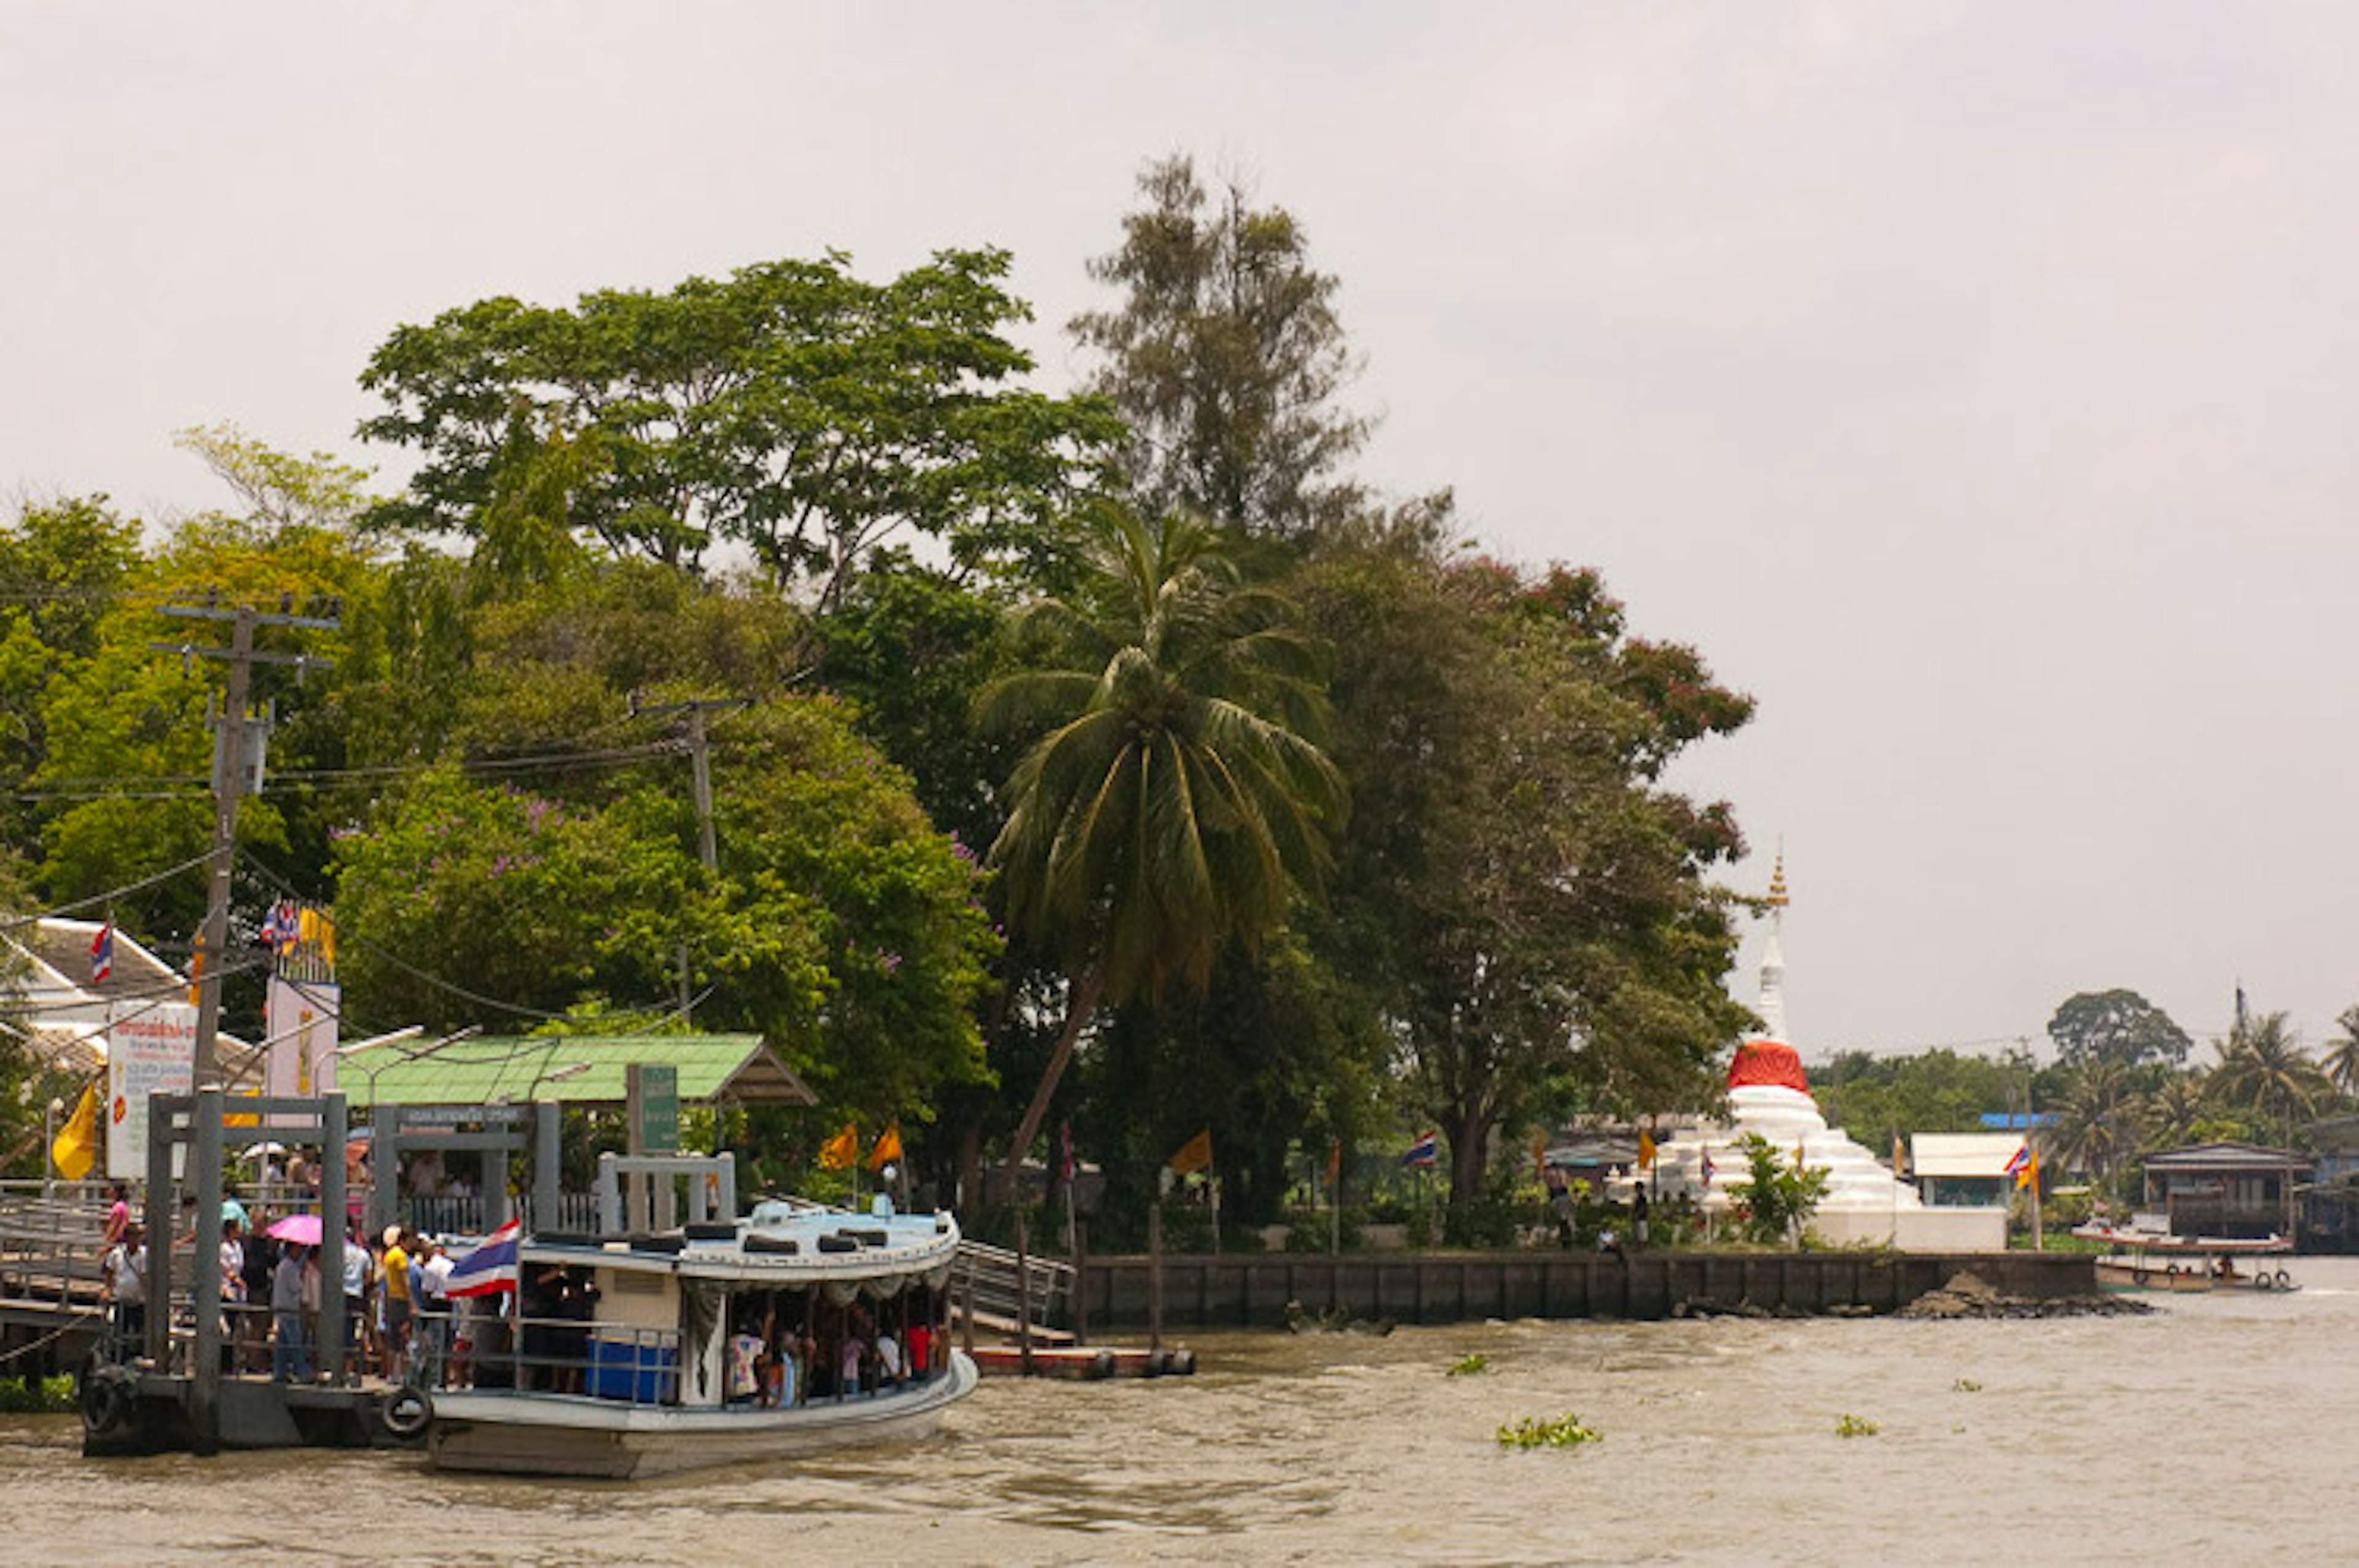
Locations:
column 291, row 1352
column 124, row 1283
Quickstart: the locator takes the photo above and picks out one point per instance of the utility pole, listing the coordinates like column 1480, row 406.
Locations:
column 230, row 774
column 696, row 714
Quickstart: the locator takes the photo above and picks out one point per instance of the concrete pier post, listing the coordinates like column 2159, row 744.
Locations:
column 158, row 1224
column 547, row 1132
column 204, row 1279
column 385, row 1168
column 334, row 1128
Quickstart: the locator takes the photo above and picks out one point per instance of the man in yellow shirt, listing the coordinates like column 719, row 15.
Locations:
column 394, row 1272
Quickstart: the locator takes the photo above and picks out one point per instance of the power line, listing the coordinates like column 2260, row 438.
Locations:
column 274, row 880
column 109, row 896
column 193, row 787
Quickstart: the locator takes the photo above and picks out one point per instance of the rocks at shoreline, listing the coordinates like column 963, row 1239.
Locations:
column 1966, row 1294
column 1969, row 1295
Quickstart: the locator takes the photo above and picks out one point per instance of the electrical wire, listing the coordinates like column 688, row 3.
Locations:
column 271, row 878
column 108, row 897
column 190, row 786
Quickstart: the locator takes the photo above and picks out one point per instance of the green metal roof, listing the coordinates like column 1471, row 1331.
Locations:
column 578, row 1069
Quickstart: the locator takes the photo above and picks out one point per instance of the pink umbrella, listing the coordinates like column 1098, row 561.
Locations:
column 303, row 1229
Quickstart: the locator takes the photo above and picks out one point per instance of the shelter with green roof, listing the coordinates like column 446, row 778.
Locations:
column 580, row 1070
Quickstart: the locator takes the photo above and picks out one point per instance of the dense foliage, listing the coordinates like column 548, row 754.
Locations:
column 1125, row 733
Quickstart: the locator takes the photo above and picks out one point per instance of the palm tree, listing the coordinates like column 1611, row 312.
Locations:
column 2263, row 1068
column 2172, row 1111
column 2090, row 1129
column 2342, row 1062
column 1177, row 795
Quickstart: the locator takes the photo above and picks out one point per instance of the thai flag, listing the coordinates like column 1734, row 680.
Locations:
column 2021, row 1161
column 1707, row 1167
column 1424, row 1152
column 101, row 953
column 491, row 1268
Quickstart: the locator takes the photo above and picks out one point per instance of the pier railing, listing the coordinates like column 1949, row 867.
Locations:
column 994, row 1283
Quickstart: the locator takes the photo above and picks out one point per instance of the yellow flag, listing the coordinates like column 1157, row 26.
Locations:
column 1194, row 1155
column 75, row 1148
column 887, row 1150
column 1646, row 1150
column 1899, row 1155
column 842, row 1151
column 2030, row 1175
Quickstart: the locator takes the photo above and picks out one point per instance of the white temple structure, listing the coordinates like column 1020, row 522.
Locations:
column 1768, row 1094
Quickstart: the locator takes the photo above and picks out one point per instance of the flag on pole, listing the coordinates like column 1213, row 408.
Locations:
column 101, row 954
column 842, row 1151
column 1424, row 1153
column 1196, row 1154
column 887, row 1150
column 2025, row 1167
column 1646, row 1150
column 1899, row 1155
column 491, row 1268
column 75, row 1147
column 1707, row 1167
column 1065, row 1153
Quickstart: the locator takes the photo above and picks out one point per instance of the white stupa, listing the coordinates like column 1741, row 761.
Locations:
column 1769, row 1094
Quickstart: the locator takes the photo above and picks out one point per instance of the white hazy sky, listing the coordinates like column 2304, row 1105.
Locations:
column 1972, row 381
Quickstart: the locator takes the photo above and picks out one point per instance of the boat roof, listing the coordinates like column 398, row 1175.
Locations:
column 779, row 1244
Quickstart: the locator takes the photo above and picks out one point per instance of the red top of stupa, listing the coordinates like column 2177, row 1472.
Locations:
column 1767, row 1061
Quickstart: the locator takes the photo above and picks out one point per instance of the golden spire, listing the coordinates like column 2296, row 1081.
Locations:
column 1778, row 881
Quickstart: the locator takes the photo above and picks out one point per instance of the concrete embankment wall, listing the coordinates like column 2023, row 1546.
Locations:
column 1252, row 1292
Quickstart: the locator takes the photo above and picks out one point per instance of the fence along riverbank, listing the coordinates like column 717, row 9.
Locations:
column 1255, row 1292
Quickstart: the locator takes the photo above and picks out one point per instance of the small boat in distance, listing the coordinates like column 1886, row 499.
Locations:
column 798, row 1328
column 2145, row 1260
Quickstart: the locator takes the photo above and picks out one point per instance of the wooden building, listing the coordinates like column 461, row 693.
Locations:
column 2225, row 1189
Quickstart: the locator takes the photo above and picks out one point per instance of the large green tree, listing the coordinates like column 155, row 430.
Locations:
column 1226, row 358
column 792, row 408
column 2118, row 1026
column 1175, row 796
column 1518, row 886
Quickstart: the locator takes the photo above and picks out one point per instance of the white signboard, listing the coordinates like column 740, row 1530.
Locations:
column 151, row 1048
column 299, row 1020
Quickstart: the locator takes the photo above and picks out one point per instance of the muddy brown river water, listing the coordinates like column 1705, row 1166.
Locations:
column 2222, row 1427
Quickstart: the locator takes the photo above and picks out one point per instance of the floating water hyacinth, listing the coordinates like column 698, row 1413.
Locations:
column 1856, row 1426
column 1565, row 1431
column 1468, row 1365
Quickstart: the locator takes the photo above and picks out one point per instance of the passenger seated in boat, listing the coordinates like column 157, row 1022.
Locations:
column 745, row 1380
column 888, row 1358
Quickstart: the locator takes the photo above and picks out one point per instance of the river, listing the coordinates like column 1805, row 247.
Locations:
column 2221, row 1425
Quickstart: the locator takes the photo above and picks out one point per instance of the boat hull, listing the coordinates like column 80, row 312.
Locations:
column 560, row 1434
column 2122, row 1274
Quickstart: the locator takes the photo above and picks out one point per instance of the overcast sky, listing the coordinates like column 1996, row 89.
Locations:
column 1971, row 383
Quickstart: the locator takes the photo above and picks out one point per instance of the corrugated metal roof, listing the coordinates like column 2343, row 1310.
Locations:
column 1961, row 1153
column 2226, row 1157
column 577, row 1069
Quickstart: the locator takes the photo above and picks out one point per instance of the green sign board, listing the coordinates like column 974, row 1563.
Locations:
column 655, row 1108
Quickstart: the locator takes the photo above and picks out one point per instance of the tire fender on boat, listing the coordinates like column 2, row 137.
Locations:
column 2261, row 1280
column 105, row 1401
column 407, row 1412
column 2285, row 1280
column 2171, row 1271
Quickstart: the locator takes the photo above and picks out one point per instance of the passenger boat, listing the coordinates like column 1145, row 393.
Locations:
column 796, row 1329
column 2145, row 1260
